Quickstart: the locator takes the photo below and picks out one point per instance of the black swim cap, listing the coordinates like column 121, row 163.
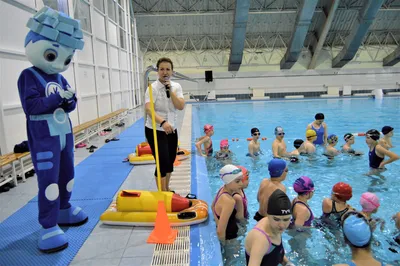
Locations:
column 254, row 130
column 347, row 136
column 387, row 130
column 297, row 143
column 373, row 134
column 319, row 116
column 279, row 204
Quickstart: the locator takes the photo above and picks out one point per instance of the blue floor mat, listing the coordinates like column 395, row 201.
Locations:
column 20, row 232
column 97, row 179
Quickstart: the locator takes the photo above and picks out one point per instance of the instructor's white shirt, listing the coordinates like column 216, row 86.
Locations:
column 163, row 105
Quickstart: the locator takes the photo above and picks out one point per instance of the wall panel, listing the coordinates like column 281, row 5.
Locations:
column 104, row 104
column 103, row 82
column 117, row 101
column 99, row 27
column 116, row 85
column 87, row 109
column 86, row 55
column 13, row 38
column 100, row 52
column 85, row 82
column 114, row 57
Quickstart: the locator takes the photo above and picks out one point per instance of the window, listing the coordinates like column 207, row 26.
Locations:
column 111, row 10
column 57, row 5
column 122, row 38
column 82, row 13
column 99, row 4
column 121, row 15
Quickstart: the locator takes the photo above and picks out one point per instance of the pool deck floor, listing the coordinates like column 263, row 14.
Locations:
column 106, row 245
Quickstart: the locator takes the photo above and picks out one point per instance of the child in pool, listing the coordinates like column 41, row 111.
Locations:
column 370, row 205
column 206, row 141
column 386, row 141
column 302, row 215
column 294, row 155
column 224, row 153
column 254, row 145
column 240, row 196
column 346, row 148
column 335, row 207
column 223, row 206
column 330, row 150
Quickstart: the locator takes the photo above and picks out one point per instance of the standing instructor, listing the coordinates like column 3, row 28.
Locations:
column 167, row 97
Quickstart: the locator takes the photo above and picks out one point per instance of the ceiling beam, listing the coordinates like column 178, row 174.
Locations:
column 364, row 20
column 392, row 58
column 324, row 33
column 238, row 34
column 303, row 21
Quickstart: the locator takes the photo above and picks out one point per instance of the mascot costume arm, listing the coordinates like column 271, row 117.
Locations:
column 47, row 99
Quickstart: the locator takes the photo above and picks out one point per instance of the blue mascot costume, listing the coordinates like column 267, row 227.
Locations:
column 47, row 99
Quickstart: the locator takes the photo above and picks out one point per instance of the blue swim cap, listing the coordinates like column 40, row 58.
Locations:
column 332, row 138
column 276, row 167
column 357, row 231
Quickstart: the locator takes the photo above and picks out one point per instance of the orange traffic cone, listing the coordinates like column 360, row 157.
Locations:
column 162, row 233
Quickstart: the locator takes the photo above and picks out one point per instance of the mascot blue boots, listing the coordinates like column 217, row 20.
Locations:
column 47, row 99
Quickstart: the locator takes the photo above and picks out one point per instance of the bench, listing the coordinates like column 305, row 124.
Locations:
column 294, row 96
column 363, row 94
column 393, row 93
column 81, row 132
column 226, row 99
column 260, row 97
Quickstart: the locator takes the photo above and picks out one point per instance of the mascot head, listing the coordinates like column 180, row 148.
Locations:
column 52, row 40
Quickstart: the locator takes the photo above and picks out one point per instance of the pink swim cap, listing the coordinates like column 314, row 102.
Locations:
column 223, row 143
column 208, row 128
column 369, row 202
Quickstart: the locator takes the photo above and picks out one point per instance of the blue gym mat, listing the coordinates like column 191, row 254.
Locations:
column 97, row 179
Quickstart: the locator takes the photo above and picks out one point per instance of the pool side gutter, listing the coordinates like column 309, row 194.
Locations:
column 204, row 243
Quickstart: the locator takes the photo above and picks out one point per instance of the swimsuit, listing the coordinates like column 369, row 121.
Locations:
column 209, row 149
column 374, row 159
column 274, row 255
column 244, row 199
column 334, row 217
column 320, row 134
column 232, row 227
column 306, row 223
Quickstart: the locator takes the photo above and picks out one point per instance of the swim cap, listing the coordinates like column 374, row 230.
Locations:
column 332, row 138
column 319, row 116
column 254, row 130
column 279, row 204
column 224, row 143
column 342, row 191
column 303, row 185
column 310, row 133
column 279, row 130
column 373, row 134
column 276, row 167
column 297, row 143
column 386, row 130
column 347, row 136
column 208, row 128
column 244, row 171
column 357, row 231
column 369, row 202
column 229, row 172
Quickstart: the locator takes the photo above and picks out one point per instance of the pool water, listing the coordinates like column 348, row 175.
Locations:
column 319, row 246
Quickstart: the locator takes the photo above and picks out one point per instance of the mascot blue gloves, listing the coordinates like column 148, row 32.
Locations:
column 47, row 99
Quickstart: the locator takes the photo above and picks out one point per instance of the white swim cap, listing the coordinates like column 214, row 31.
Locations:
column 229, row 172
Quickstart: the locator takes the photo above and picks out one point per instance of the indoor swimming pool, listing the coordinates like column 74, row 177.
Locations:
column 319, row 246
